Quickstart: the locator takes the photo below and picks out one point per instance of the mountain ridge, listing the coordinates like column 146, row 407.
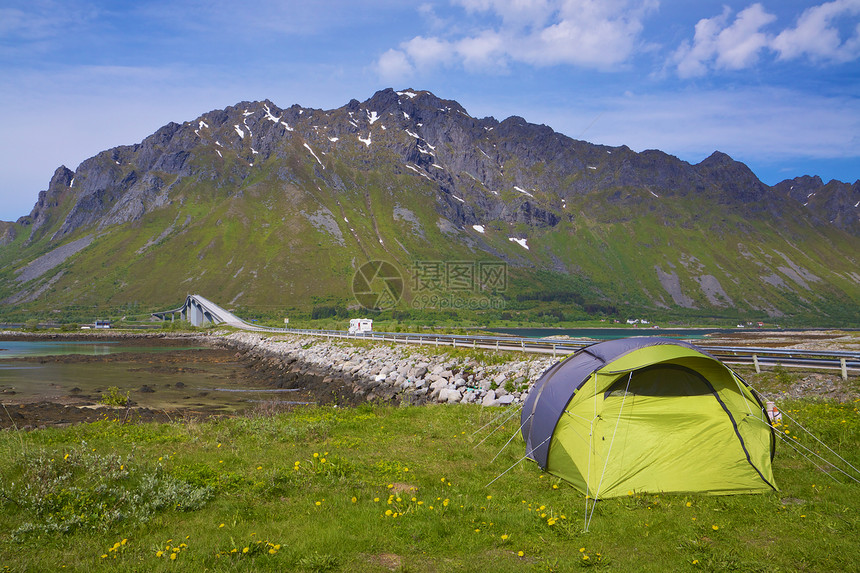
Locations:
column 409, row 161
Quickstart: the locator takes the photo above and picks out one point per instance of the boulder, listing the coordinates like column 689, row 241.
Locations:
column 489, row 398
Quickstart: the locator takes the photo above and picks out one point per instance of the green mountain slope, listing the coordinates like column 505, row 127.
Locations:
column 259, row 207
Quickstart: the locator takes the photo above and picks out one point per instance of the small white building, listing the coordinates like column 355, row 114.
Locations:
column 360, row 325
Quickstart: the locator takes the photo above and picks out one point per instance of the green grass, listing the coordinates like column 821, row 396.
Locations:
column 391, row 489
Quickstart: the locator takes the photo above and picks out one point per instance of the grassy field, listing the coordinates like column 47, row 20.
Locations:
column 393, row 489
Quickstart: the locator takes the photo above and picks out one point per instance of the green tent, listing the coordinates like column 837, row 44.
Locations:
column 648, row 415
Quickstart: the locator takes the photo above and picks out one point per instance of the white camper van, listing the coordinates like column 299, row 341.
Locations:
column 360, row 325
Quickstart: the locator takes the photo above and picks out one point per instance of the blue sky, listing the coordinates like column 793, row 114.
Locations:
column 775, row 84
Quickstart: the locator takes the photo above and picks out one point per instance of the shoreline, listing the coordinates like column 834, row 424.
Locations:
column 345, row 372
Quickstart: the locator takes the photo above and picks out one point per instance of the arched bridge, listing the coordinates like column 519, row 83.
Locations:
column 200, row 311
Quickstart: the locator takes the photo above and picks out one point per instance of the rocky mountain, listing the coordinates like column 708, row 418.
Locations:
column 256, row 205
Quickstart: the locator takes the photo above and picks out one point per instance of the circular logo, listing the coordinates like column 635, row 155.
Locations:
column 377, row 285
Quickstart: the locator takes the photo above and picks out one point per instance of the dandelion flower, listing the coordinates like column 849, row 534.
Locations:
column 173, row 556
column 689, row 504
column 504, row 536
column 489, row 497
column 354, row 499
column 159, row 553
column 520, row 554
column 582, row 549
column 316, row 455
column 695, row 561
column 319, row 503
column 715, row 527
column 221, row 525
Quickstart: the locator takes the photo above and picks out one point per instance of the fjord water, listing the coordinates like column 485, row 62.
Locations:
column 156, row 376
column 19, row 348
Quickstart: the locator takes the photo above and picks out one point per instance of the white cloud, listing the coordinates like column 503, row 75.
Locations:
column 597, row 37
column 817, row 35
column 485, row 51
column 734, row 46
column 586, row 33
column 721, row 44
column 427, row 52
column 393, row 65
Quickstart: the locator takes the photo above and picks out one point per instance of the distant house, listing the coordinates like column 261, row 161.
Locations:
column 102, row 324
column 360, row 325
column 632, row 321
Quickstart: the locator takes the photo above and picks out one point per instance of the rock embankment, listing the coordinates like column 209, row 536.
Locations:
column 392, row 373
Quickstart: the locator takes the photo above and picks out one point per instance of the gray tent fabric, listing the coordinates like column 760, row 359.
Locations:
column 560, row 382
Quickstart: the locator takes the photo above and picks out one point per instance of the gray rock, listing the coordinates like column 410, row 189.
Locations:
column 489, row 398
column 439, row 384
